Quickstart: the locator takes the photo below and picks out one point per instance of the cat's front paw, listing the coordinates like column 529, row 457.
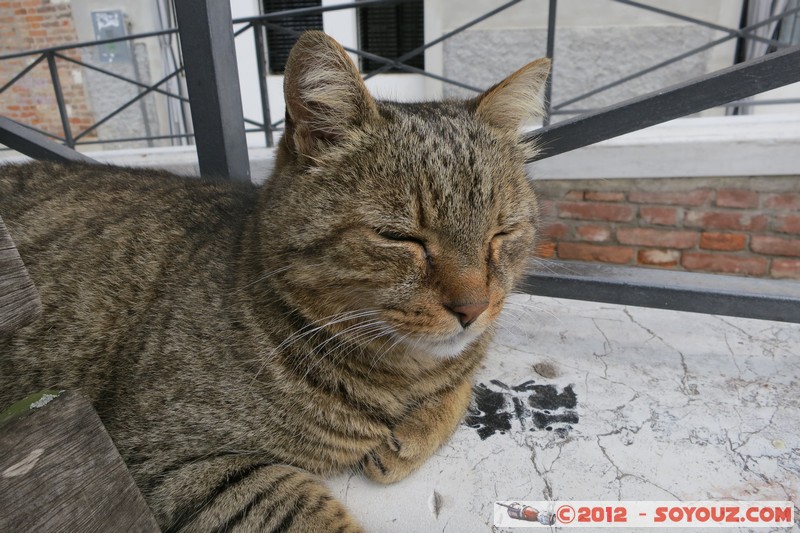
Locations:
column 416, row 437
column 403, row 451
column 385, row 465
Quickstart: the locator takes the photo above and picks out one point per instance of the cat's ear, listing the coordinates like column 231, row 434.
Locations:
column 325, row 95
column 517, row 98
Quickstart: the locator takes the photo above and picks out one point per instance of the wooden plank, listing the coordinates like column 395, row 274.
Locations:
column 19, row 300
column 60, row 471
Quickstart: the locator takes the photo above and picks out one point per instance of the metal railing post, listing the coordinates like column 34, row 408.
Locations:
column 551, row 46
column 212, row 79
column 62, row 107
column 261, row 61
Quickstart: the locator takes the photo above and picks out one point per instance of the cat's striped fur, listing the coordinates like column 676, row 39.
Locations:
column 239, row 342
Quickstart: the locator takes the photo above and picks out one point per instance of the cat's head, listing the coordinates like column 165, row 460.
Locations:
column 406, row 223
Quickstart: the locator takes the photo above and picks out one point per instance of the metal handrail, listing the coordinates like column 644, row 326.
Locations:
column 259, row 22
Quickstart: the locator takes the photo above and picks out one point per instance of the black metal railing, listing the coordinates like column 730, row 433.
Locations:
column 257, row 25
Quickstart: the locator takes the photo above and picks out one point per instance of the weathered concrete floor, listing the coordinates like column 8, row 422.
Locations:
column 612, row 403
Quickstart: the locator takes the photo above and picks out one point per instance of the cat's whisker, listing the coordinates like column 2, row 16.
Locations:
column 383, row 352
column 365, row 338
column 356, row 330
column 311, row 352
column 530, row 309
column 311, row 329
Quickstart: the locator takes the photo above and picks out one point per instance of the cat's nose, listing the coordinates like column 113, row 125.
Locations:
column 467, row 313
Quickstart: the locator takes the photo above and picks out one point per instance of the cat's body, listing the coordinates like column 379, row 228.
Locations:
column 234, row 340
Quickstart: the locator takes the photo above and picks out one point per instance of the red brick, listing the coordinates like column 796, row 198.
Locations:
column 574, row 195
column 593, row 233
column 725, row 263
column 554, row 230
column 657, row 238
column 592, row 211
column 786, row 200
column 661, row 216
column 545, row 249
column 690, row 198
column 661, row 258
column 785, row 268
column 741, row 198
column 594, row 252
column 775, row 245
column 726, row 220
column 601, row 196
column 723, row 241
column 786, row 223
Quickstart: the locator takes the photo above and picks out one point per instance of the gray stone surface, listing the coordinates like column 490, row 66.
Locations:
column 585, row 58
column 667, row 406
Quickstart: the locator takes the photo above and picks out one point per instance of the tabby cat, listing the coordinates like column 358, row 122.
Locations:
column 240, row 342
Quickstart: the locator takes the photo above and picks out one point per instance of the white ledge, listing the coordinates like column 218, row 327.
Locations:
column 762, row 145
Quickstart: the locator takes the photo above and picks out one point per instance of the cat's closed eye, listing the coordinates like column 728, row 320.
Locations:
column 509, row 231
column 402, row 238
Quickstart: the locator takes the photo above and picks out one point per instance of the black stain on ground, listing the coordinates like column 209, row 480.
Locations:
column 488, row 415
column 534, row 405
column 546, row 397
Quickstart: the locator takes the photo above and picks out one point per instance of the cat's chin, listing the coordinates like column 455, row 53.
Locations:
column 442, row 348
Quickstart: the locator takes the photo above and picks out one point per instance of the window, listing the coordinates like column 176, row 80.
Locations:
column 280, row 43
column 391, row 31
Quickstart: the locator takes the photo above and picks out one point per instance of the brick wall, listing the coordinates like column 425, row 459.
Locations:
column 745, row 226
column 34, row 24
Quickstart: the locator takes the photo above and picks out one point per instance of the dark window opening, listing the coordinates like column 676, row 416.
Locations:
column 278, row 42
column 391, row 31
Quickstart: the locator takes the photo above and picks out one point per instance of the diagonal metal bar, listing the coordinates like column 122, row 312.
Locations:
column 127, row 104
column 739, row 81
column 382, row 59
column 777, row 101
column 45, row 133
column 33, row 144
column 243, row 29
column 732, row 32
column 416, row 51
column 670, row 61
column 714, row 294
column 24, row 71
column 122, row 78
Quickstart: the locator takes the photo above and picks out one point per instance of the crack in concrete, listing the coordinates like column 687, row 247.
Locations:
column 547, row 492
column 687, row 388
column 620, row 475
